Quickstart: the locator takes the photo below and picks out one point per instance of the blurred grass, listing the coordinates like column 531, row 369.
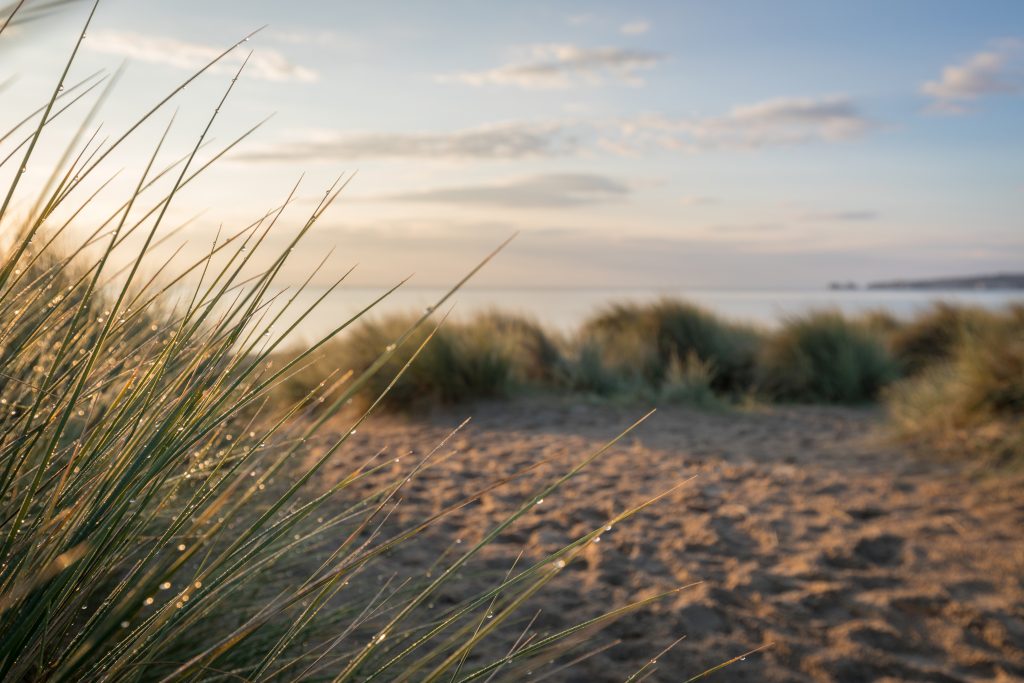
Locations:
column 949, row 370
column 666, row 350
column 970, row 401
column 824, row 358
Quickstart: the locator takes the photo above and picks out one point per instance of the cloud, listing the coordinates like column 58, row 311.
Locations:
column 853, row 216
column 744, row 228
column 265, row 64
column 498, row 141
column 560, row 66
column 697, row 200
column 553, row 190
column 635, row 28
column 786, row 121
column 781, row 121
column 994, row 72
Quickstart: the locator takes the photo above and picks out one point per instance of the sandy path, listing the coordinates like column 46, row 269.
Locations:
column 858, row 561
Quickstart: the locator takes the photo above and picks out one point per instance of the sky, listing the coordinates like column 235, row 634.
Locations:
column 734, row 144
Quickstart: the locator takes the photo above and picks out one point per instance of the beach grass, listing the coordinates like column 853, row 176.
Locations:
column 163, row 514
column 969, row 401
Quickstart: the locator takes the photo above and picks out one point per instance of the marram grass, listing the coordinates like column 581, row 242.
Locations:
column 154, row 524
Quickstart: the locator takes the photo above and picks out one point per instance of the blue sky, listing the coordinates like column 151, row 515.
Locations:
column 669, row 144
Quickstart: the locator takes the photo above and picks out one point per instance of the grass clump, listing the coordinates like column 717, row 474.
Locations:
column 689, row 382
column 641, row 343
column 934, row 336
column 489, row 355
column 824, row 358
column 972, row 403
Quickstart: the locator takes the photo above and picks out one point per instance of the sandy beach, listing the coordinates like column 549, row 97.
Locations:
column 808, row 530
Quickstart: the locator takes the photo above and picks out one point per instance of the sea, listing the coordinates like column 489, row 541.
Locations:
column 564, row 309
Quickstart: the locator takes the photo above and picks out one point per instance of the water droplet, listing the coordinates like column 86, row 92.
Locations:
column 124, row 624
column 165, row 585
column 560, row 564
column 148, row 601
column 597, row 539
column 490, row 615
column 181, row 547
column 539, row 501
column 60, row 88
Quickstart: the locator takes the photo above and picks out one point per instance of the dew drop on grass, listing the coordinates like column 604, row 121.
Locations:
column 148, row 601
column 539, row 501
column 165, row 585
column 597, row 539
column 124, row 624
column 181, row 547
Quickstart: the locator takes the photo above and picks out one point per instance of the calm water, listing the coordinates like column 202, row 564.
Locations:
column 564, row 309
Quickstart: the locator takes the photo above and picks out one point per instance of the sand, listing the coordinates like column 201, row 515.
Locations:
column 855, row 559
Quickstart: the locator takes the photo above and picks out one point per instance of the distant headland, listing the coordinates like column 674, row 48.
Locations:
column 996, row 281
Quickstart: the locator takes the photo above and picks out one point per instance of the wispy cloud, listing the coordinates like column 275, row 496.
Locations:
column 561, row 66
column 265, row 64
column 553, row 190
column 635, row 28
column 697, row 200
column 782, row 121
column 997, row 71
column 498, row 141
column 850, row 216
